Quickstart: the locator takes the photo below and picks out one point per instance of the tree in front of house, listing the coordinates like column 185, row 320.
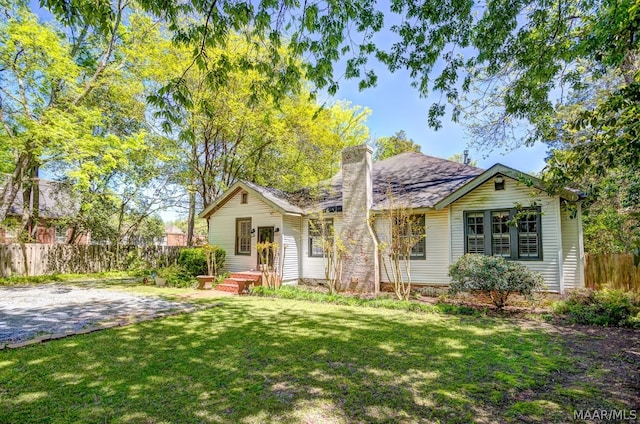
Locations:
column 271, row 265
column 401, row 235
column 386, row 147
column 228, row 133
column 332, row 246
column 596, row 150
column 504, row 66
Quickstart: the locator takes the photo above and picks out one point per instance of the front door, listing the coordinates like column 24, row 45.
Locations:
column 265, row 234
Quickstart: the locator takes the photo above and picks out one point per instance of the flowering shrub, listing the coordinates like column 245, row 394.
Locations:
column 494, row 276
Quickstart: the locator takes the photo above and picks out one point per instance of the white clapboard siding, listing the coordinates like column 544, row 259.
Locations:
column 433, row 269
column 222, row 229
column 486, row 197
column 291, row 248
column 572, row 264
column 313, row 268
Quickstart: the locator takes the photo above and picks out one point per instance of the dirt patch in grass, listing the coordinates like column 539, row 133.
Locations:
column 609, row 358
column 609, row 361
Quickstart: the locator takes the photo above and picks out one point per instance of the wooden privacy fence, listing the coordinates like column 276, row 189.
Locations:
column 47, row 259
column 613, row 270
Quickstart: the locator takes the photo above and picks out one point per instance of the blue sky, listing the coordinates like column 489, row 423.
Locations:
column 396, row 106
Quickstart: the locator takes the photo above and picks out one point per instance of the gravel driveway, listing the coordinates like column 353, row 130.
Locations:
column 27, row 312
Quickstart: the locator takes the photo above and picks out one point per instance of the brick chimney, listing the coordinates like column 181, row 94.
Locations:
column 360, row 270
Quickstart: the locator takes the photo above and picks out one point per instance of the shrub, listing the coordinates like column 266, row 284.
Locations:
column 494, row 276
column 194, row 260
column 177, row 276
column 133, row 262
column 611, row 308
column 221, row 277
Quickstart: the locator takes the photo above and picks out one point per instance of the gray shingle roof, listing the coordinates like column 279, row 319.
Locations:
column 55, row 201
column 417, row 180
column 414, row 180
column 286, row 201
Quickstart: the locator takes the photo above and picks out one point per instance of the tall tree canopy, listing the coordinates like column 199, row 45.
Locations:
column 124, row 114
column 525, row 51
column 507, row 67
column 521, row 72
column 386, row 147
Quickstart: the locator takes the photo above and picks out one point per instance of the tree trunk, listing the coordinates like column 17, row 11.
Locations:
column 11, row 188
column 35, row 207
column 25, row 224
column 192, row 218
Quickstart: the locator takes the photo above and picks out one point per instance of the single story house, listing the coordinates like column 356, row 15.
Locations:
column 462, row 209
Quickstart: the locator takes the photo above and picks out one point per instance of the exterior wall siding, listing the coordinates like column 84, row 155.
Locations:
column 313, row 267
column 291, row 247
column 573, row 260
column 222, row 229
column 435, row 267
column 486, row 197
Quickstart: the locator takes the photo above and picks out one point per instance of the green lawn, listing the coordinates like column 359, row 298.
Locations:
column 274, row 360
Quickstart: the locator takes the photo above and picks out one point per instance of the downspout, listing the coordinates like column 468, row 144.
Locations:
column 580, row 244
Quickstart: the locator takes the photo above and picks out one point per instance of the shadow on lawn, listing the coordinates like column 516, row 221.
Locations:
column 280, row 361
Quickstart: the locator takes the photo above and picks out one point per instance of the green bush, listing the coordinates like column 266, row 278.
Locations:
column 177, row 276
column 134, row 263
column 194, row 260
column 611, row 308
column 494, row 276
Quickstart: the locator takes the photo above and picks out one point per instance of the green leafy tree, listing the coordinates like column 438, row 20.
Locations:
column 52, row 104
column 516, row 54
column 225, row 134
column 508, row 68
column 386, row 147
column 74, row 104
column 151, row 231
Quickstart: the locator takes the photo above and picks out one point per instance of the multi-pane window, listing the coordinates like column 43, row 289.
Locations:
column 243, row 236
column 409, row 235
column 528, row 236
column 475, row 232
column 500, row 234
column 320, row 236
column 510, row 234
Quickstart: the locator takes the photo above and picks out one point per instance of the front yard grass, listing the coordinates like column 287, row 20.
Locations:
column 277, row 360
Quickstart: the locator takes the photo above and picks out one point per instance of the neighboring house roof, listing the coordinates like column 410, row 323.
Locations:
column 172, row 229
column 55, row 201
